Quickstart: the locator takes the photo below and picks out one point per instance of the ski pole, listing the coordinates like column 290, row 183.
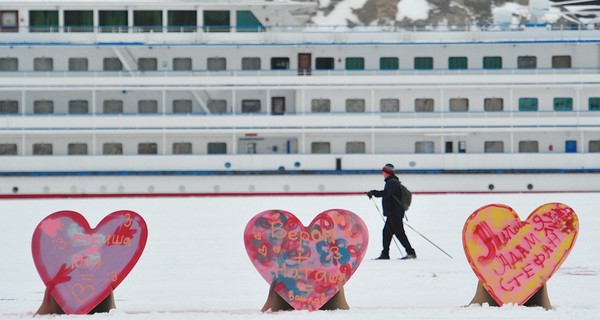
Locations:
column 387, row 227
column 413, row 229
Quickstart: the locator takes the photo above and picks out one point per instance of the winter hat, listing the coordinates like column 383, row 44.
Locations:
column 388, row 168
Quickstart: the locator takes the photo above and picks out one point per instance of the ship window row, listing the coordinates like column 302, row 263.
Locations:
column 122, row 21
column 319, row 105
column 278, row 63
column 318, row 147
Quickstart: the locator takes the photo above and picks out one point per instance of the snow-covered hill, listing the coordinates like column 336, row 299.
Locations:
column 453, row 12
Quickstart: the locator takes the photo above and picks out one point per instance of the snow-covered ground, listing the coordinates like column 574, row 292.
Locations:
column 195, row 265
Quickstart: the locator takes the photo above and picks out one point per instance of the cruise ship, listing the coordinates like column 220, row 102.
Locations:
column 177, row 97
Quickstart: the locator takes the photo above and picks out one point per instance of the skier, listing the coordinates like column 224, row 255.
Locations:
column 394, row 213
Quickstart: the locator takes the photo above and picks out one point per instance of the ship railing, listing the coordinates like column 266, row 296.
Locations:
column 292, row 72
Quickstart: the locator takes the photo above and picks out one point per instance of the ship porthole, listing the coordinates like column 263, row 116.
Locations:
column 491, row 187
column 227, row 164
column 103, row 189
column 251, row 188
column 412, row 164
column 121, row 189
column 73, row 189
column 150, row 188
column 286, row 188
column 530, row 187
column 216, row 188
column 297, row 164
column 181, row 188
column 321, row 187
column 15, row 189
column 46, row 189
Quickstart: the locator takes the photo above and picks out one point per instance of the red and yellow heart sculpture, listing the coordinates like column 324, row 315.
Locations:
column 514, row 258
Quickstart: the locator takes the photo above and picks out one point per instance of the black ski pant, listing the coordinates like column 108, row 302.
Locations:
column 395, row 226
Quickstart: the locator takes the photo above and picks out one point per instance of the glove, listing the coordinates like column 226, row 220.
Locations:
column 370, row 194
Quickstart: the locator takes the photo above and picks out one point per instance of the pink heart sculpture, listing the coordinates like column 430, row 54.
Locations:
column 306, row 264
column 514, row 258
column 79, row 265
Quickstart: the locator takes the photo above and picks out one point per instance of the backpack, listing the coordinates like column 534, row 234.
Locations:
column 405, row 197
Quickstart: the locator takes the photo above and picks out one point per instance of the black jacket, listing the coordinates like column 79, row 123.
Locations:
column 390, row 197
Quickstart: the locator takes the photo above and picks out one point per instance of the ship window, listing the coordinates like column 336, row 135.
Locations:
column 217, row 148
column 182, row 21
column 252, row 63
column 355, row 63
column 250, row 106
column 594, row 146
column 77, row 148
column 457, row 63
column 563, row 104
column 112, row 64
column 492, row 62
column 528, row 146
column 561, row 62
column 389, row 63
column 389, row 105
column 9, row 21
column 79, row 21
column 216, row 21
column 324, row 63
column 355, row 147
column 424, row 147
column 147, row 148
column 424, row 105
column 594, row 104
column 459, row 105
column 182, row 64
column 217, row 63
column 355, row 105
column 8, row 149
column 9, row 106
column 528, row 104
column 182, row 148
column 42, row 148
column 182, row 106
column 247, row 22
column 320, row 147
column 78, row 106
column 423, row 63
column 493, row 104
column 280, row 63
column 43, row 21
column 493, row 147
column 147, row 21
column 78, row 64
column 320, row 105
column 147, row 64
column 9, row 64
column 147, row 106
column 43, row 64
column 217, row 106
column 113, row 21
column 43, row 106
column 112, row 148
column 527, row 62
column 112, row 106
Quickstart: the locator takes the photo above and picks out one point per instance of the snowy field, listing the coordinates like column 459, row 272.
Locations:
column 195, row 265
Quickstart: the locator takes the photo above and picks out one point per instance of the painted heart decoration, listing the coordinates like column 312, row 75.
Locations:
column 514, row 258
column 306, row 264
column 79, row 265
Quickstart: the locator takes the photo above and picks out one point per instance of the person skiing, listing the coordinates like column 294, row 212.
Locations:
column 394, row 213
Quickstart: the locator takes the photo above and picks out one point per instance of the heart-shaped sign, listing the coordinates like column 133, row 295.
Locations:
column 306, row 264
column 514, row 258
column 79, row 265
